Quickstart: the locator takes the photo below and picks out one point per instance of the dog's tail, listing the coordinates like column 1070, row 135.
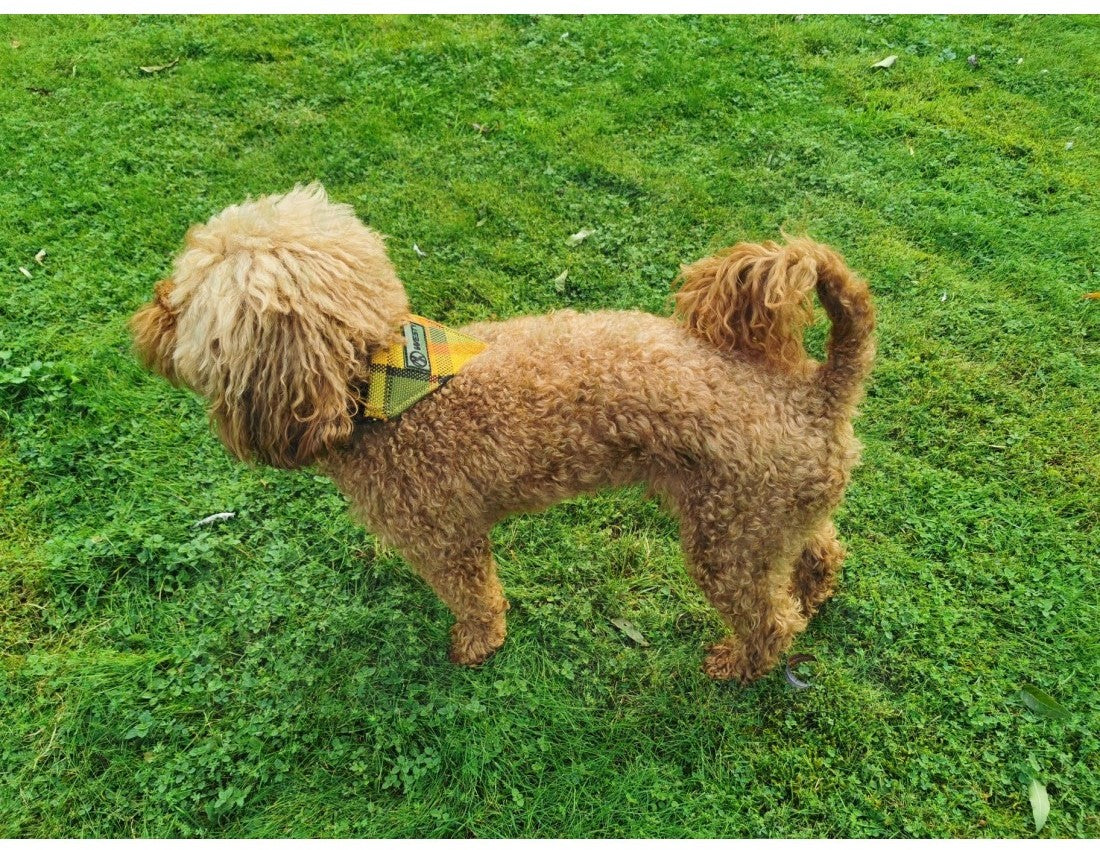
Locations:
column 755, row 299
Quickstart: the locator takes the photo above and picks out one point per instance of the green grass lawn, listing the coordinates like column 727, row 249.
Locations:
column 279, row 674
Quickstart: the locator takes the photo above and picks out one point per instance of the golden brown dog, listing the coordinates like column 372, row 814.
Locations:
column 275, row 306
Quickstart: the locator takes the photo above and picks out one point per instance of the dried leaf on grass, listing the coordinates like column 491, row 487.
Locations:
column 792, row 664
column 630, row 630
column 206, row 520
column 26, row 272
column 887, row 62
column 40, row 256
column 578, row 237
column 156, row 69
column 1040, row 803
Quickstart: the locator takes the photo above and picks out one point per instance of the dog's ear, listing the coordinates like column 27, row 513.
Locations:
column 285, row 369
column 154, row 331
column 286, row 395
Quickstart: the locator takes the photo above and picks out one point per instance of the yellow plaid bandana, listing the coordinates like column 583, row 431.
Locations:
column 402, row 374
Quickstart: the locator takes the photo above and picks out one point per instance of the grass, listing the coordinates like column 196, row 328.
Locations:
column 279, row 674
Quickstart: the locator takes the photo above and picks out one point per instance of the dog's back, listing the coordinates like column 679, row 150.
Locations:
column 570, row 402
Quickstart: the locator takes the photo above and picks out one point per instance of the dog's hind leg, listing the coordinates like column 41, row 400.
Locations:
column 817, row 569
column 464, row 577
column 745, row 573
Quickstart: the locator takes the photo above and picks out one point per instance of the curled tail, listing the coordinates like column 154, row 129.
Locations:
column 756, row 299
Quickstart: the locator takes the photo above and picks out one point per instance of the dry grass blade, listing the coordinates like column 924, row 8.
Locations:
column 156, row 69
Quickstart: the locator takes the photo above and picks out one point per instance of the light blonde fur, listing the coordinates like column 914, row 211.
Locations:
column 274, row 307
column 283, row 298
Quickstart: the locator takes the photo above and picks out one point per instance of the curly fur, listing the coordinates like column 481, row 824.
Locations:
column 275, row 305
column 277, row 300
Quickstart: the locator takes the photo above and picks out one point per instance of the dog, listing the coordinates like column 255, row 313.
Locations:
column 276, row 309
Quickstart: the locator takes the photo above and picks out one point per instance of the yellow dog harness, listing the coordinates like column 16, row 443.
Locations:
column 428, row 357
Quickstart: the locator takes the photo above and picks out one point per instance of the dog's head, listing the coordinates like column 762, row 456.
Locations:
column 271, row 314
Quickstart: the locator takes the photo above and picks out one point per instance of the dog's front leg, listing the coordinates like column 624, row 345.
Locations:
column 464, row 577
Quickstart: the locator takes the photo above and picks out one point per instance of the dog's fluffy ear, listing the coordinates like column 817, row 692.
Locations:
column 154, row 330
column 281, row 302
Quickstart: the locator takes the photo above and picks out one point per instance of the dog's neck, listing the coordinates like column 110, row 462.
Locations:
column 428, row 356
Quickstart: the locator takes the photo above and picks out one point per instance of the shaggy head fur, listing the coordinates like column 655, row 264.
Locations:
column 271, row 314
column 275, row 306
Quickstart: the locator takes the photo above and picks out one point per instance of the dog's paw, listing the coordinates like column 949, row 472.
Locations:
column 730, row 662
column 473, row 641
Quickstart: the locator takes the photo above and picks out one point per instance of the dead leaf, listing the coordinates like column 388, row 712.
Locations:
column 156, row 69
column 481, row 128
column 41, row 255
column 560, row 280
column 972, row 60
column 1040, row 803
column 1091, row 296
column 418, row 252
column 887, row 62
column 16, row 44
column 630, row 630
column 792, row 664
column 26, row 273
column 206, row 520
column 578, row 237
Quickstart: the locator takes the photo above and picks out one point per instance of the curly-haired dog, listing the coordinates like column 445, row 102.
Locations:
column 276, row 306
